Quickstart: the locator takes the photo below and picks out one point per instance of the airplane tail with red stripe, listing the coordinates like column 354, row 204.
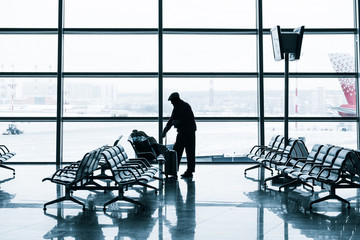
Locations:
column 344, row 63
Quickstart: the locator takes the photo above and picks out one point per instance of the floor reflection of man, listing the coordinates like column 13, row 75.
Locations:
column 137, row 225
column 185, row 213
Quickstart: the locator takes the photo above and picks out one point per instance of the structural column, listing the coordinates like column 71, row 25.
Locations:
column 357, row 67
column 260, row 72
column 60, row 85
column 160, row 69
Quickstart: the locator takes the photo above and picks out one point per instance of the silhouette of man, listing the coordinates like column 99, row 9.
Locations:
column 182, row 118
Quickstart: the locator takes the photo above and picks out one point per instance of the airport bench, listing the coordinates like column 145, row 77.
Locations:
column 259, row 153
column 324, row 154
column 127, row 172
column 339, row 174
column 328, row 167
column 5, row 155
column 294, row 149
column 258, row 150
column 75, row 176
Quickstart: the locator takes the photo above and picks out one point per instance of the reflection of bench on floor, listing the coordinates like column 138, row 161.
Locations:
column 5, row 155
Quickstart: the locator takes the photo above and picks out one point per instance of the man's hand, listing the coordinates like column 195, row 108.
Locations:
column 163, row 134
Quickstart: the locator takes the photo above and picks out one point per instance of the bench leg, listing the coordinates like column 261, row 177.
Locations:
column 296, row 181
column 63, row 199
column 332, row 195
column 122, row 197
column 275, row 177
column 252, row 167
column 3, row 166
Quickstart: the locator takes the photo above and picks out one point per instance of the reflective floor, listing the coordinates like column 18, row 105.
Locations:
column 218, row 203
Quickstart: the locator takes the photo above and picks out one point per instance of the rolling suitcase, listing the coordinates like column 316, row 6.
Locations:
column 171, row 165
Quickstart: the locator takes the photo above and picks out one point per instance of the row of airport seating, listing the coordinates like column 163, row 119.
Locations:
column 107, row 168
column 5, row 155
column 326, row 166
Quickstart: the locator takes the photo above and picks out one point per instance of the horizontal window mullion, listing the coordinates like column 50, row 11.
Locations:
column 310, row 75
column 28, row 31
column 199, row 119
column 210, row 74
column 221, row 31
column 319, row 30
column 110, row 31
column 110, row 74
column 173, row 74
column 27, row 119
column 210, row 31
column 312, row 119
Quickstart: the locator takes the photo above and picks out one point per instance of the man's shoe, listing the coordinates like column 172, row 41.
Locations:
column 187, row 175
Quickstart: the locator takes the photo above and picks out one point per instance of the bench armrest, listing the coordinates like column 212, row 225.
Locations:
column 326, row 169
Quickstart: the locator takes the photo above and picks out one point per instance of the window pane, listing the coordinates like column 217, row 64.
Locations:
column 111, row 13
column 219, row 138
column 209, row 14
column 311, row 97
column 341, row 133
column 28, row 14
column 80, row 138
column 214, row 97
column 121, row 97
column 28, row 53
column 36, row 142
column 273, row 128
column 111, row 53
column 312, row 14
column 27, row 97
column 337, row 133
column 318, row 54
column 322, row 97
column 209, row 53
column 274, row 97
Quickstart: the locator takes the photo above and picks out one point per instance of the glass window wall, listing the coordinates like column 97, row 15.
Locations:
column 28, row 14
column 110, row 53
column 28, row 53
column 31, row 141
column 115, row 64
column 209, row 53
column 214, row 97
column 209, row 14
column 312, row 14
column 110, row 97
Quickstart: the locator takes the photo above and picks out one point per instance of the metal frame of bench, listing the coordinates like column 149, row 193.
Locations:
column 306, row 166
column 75, row 177
column 5, row 155
column 125, row 174
column 338, row 175
column 279, row 159
column 261, row 152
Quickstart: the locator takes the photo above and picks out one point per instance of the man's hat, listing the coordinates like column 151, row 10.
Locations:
column 174, row 95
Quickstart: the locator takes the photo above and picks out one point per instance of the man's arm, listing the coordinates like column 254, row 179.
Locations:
column 168, row 125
